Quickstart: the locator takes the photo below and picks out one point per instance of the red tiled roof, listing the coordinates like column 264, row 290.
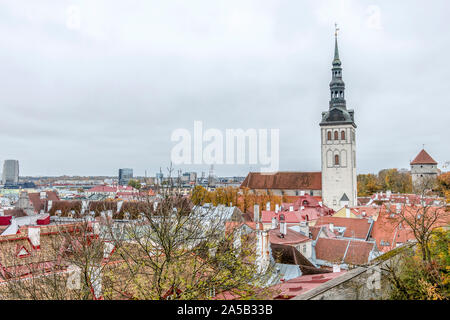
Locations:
column 314, row 231
column 340, row 250
column 111, row 189
column 38, row 203
column 423, row 158
column 284, row 180
column 388, row 228
column 331, row 250
column 292, row 237
column 358, row 252
column 302, row 284
column 15, row 212
column 364, row 211
column 296, row 216
column 289, row 216
column 354, row 227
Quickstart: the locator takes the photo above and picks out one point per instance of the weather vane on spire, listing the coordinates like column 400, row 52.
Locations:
column 336, row 29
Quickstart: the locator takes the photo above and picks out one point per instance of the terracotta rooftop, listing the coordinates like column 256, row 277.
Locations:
column 292, row 237
column 302, row 284
column 284, row 180
column 340, row 250
column 423, row 158
column 354, row 227
column 40, row 204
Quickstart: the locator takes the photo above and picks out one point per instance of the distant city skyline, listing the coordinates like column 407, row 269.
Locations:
column 88, row 91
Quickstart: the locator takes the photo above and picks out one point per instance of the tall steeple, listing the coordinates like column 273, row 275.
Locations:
column 338, row 143
column 337, row 85
column 337, row 106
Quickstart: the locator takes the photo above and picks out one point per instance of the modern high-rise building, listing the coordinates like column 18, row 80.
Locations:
column 125, row 175
column 338, row 132
column 10, row 172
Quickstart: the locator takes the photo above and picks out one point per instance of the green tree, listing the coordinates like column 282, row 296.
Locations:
column 134, row 183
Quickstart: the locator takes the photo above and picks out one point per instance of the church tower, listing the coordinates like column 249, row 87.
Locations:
column 338, row 130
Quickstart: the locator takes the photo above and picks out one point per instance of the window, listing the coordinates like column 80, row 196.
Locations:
column 329, row 135
column 336, row 159
column 342, row 135
column 336, row 135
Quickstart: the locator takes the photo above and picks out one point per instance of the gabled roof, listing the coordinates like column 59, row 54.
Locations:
column 284, row 180
column 292, row 237
column 40, row 204
column 423, row 158
column 343, row 251
column 354, row 227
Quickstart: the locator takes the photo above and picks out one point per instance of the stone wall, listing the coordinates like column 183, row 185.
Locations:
column 362, row 283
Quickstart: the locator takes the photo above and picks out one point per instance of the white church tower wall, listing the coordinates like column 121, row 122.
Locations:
column 338, row 144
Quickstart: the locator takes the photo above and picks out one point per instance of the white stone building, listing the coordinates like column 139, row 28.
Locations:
column 338, row 141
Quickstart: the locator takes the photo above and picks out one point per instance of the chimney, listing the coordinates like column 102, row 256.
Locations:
column 43, row 195
column 283, row 230
column 274, row 223
column 268, row 206
column 34, row 235
column 256, row 216
column 49, row 205
column 291, row 208
column 347, row 212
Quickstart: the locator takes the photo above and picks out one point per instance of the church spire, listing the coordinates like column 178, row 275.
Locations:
column 337, row 86
column 337, row 113
column 336, row 49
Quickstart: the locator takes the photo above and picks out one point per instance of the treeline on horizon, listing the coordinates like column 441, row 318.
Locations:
column 387, row 179
column 397, row 182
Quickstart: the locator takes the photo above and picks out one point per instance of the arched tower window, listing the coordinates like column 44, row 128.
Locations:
column 336, row 135
column 336, row 159
column 329, row 135
column 342, row 135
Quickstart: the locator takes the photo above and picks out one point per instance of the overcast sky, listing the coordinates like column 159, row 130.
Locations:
column 87, row 94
